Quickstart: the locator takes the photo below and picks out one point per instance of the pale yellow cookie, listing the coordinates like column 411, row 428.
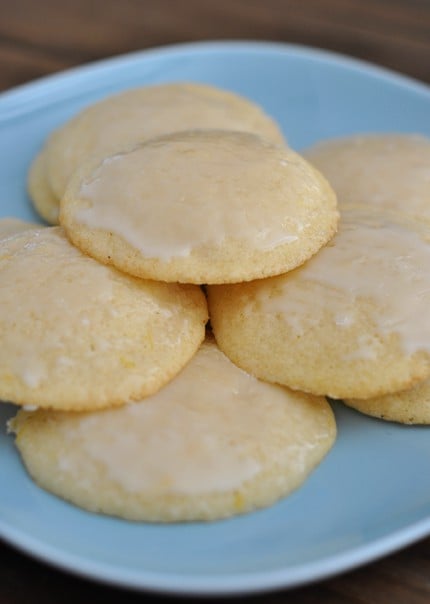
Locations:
column 389, row 172
column 39, row 190
column 351, row 322
column 204, row 206
column 405, row 407
column 212, row 443
column 13, row 226
column 79, row 335
column 142, row 113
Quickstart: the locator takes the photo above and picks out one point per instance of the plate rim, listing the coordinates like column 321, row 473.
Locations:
column 238, row 584
column 42, row 85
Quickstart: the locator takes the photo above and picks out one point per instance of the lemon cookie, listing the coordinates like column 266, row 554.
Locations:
column 204, row 206
column 212, row 443
column 405, row 407
column 79, row 335
column 389, row 172
column 352, row 322
column 133, row 116
column 44, row 201
column 13, row 226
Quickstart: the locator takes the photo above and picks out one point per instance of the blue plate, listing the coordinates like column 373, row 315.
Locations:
column 371, row 495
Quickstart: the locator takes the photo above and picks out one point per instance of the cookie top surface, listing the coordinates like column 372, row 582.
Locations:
column 13, row 226
column 350, row 320
column 215, row 441
column 387, row 171
column 405, row 407
column 80, row 335
column 142, row 113
column 181, row 207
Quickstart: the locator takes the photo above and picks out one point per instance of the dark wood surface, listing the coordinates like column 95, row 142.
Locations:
column 39, row 37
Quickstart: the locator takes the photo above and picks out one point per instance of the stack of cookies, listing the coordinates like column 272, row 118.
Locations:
column 138, row 413
column 351, row 323
column 134, row 409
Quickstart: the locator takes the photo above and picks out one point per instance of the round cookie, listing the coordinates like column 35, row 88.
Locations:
column 43, row 199
column 203, row 206
column 137, row 115
column 405, row 407
column 350, row 323
column 389, row 172
column 79, row 335
column 13, row 226
column 212, row 443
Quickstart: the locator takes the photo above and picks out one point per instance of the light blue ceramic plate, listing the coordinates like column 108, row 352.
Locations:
column 372, row 493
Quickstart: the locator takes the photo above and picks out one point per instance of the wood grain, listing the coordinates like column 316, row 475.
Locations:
column 45, row 36
column 37, row 38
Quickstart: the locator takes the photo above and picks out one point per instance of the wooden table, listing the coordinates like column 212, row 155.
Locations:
column 38, row 37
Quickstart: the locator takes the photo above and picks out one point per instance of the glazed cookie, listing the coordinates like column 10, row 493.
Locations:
column 406, row 407
column 212, row 443
column 134, row 116
column 44, row 201
column 204, row 206
column 386, row 171
column 352, row 322
column 79, row 335
column 13, row 226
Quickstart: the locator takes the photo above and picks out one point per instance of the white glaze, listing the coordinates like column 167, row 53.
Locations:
column 376, row 262
column 209, row 430
column 176, row 194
